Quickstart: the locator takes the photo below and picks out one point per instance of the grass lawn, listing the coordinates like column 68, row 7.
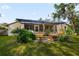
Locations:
column 9, row 47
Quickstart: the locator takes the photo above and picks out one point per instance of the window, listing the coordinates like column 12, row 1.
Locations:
column 65, row 28
column 29, row 26
column 36, row 28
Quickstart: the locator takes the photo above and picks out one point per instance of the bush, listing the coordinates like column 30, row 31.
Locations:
column 24, row 36
column 67, row 36
column 64, row 38
column 61, row 38
column 47, row 32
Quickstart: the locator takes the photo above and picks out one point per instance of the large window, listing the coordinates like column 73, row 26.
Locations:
column 29, row 26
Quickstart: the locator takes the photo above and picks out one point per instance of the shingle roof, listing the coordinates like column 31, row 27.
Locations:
column 37, row 21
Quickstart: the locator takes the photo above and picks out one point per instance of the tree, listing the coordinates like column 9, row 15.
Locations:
column 40, row 19
column 77, row 26
column 4, row 24
column 66, row 11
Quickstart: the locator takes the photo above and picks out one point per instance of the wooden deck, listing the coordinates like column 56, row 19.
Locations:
column 41, row 34
column 50, row 37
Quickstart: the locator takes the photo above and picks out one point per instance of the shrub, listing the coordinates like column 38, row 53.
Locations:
column 61, row 38
column 24, row 36
column 64, row 38
column 69, row 31
column 67, row 36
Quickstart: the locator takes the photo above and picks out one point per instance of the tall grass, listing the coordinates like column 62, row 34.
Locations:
column 9, row 46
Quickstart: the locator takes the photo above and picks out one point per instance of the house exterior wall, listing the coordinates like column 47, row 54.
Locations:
column 22, row 25
column 60, row 28
column 11, row 27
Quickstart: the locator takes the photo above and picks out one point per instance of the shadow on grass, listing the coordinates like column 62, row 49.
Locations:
column 5, row 49
column 39, row 50
column 73, row 46
column 65, row 49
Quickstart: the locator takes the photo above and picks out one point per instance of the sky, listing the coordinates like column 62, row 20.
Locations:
column 10, row 11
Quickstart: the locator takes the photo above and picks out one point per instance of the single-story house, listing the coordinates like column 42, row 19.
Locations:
column 37, row 26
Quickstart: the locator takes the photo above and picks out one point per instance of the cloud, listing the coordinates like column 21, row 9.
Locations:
column 3, row 15
column 34, row 13
column 50, row 4
column 5, row 7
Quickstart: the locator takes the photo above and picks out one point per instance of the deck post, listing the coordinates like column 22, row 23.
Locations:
column 34, row 28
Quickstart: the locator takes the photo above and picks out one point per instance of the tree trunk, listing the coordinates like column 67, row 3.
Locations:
column 72, row 26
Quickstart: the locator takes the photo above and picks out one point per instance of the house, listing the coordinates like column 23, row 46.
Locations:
column 3, row 30
column 38, row 27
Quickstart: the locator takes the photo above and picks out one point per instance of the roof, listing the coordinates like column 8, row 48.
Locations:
column 38, row 21
column 12, row 23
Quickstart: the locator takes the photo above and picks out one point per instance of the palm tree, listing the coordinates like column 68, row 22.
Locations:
column 66, row 11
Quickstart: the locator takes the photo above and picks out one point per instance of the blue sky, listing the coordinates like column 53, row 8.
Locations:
column 34, row 11
column 11, row 11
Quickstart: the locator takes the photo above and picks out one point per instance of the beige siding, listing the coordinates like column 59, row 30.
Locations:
column 64, row 27
column 13, row 26
column 58, row 28
column 61, row 28
column 22, row 26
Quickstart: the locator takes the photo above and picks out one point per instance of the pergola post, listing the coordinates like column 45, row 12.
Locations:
column 43, row 27
column 34, row 27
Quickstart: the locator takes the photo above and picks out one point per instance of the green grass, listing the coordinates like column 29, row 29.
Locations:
column 9, row 47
